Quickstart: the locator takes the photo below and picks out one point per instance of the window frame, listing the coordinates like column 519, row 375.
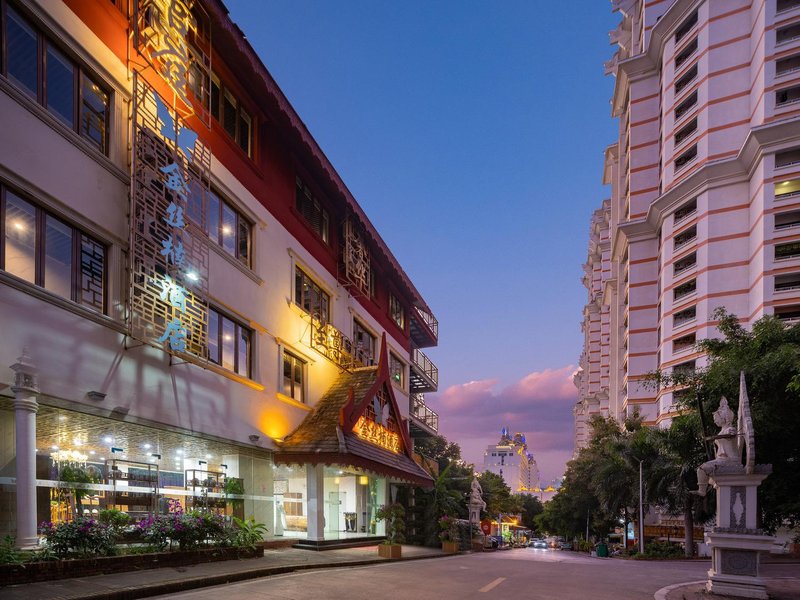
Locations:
column 308, row 196
column 297, row 360
column 300, row 300
column 240, row 218
column 80, row 72
column 397, row 309
column 238, row 328
column 218, row 114
column 76, row 270
column 359, row 325
column 393, row 358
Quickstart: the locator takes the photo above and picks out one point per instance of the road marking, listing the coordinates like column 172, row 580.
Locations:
column 490, row 586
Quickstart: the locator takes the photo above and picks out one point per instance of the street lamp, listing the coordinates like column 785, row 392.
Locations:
column 641, row 510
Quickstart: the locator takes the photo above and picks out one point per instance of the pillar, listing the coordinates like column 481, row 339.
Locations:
column 26, row 406
column 315, row 488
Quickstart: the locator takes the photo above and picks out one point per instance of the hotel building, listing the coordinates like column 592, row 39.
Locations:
column 705, row 181
column 193, row 306
column 511, row 459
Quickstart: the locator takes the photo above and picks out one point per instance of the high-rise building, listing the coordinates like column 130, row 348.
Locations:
column 705, row 181
column 201, row 309
column 511, row 459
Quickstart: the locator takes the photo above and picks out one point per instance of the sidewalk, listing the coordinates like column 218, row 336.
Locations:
column 777, row 588
column 152, row 582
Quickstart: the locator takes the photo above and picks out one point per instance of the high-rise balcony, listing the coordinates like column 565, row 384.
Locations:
column 424, row 328
column 424, row 374
column 423, row 421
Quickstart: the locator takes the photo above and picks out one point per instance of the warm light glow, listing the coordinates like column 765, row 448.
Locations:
column 336, row 480
column 69, row 456
column 227, row 337
column 147, row 446
column 108, row 439
column 19, row 226
column 192, row 276
column 226, row 230
column 363, row 480
column 377, row 434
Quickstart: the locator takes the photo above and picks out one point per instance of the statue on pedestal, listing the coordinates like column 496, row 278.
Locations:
column 476, row 503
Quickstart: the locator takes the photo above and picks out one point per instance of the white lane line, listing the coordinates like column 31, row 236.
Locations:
column 490, row 586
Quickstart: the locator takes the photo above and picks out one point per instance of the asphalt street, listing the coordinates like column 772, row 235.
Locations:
column 522, row 573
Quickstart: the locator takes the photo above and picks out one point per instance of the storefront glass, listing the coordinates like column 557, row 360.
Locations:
column 351, row 498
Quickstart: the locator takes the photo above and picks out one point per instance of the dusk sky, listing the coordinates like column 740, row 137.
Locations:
column 472, row 133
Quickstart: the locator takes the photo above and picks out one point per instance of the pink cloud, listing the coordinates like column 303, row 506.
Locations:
column 538, row 405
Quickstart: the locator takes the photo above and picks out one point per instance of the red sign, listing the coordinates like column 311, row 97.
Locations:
column 486, row 527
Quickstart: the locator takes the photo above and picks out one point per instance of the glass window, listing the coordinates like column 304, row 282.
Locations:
column 94, row 112
column 229, row 343
column 22, row 52
column 60, row 86
column 243, row 352
column 396, row 311
column 245, row 126
column 44, row 250
column 243, row 238
column 213, row 336
column 20, row 234
column 223, row 223
column 228, row 229
column 212, row 215
column 364, row 343
column 397, row 371
column 310, row 297
column 58, row 257
column 311, row 210
column 215, row 93
column 229, row 114
column 293, row 372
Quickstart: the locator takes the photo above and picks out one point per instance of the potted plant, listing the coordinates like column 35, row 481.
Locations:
column 448, row 533
column 394, row 515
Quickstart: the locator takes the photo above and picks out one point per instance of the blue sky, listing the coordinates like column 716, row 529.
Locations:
column 472, row 133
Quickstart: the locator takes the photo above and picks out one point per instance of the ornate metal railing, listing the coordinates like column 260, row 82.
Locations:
column 421, row 412
column 425, row 367
column 336, row 346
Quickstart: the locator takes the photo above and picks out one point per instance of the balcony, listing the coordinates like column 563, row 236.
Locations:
column 423, row 421
column 424, row 328
column 424, row 374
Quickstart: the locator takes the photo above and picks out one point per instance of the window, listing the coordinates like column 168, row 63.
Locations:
column 45, row 251
column 685, row 131
column 312, row 211
column 782, row 5
column 685, row 27
column 787, row 65
column 397, row 312
column 684, row 316
column 787, row 158
column 685, row 158
column 363, row 344
column 786, row 251
column 397, row 371
column 686, row 105
column 787, row 96
column 224, row 106
column 293, row 376
column 684, row 211
column 223, row 224
column 686, row 79
column 229, row 343
column 684, row 289
column 293, row 504
column 684, row 54
column 787, row 220
column 311, row 297
column 39, row 68
column 788, row 314
column 684, row 368
column 685, row 237
column 683, row 343
column 787, row 282
column 685, row 263
column 787, row 34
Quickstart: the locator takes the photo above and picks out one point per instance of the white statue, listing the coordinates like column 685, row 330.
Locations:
column 476, row 495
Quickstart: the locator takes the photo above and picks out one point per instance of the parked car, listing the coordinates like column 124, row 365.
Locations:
column 540, row 544
column 565, row 546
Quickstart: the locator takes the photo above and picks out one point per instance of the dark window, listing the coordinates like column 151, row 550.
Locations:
column 363, row 344
column 685, row 237
column 685, row 27
column 229, row 343
column 787, row 158
column 685, row 131
column 685, row 263
column 397, row 371
column 46, row 251
column 684, row 316
column 787, row 96
column 310, row 297
column 293, row 376
column 686, row 210
column 684, row 368
column 396, row 311
column 787, row 34
column 684, row 342
column 788, row 314
column 787, row 65
column 686, row 79
column 312, row 211
column 223, row 224
column 781, row 5
column 686, row 157
column 687, row 104
column 684, row 54
column 38, row 67
column 787, row 220
column 225, row 108
column 787, row 250
column 787, row 281
column 684, row 289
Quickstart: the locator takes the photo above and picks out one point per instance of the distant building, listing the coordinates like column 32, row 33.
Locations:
column 511, row 460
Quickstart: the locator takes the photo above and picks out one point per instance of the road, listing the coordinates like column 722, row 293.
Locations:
column 522, row 573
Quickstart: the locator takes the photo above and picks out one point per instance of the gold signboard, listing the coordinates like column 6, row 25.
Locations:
column 377, row 434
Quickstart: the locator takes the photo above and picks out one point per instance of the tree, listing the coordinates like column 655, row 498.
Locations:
column 531, row 507
column 496, row 493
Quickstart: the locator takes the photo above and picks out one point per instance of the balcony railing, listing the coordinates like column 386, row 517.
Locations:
column 424, row 327
column 336, row 346
column 424, row 374
column 422, row 413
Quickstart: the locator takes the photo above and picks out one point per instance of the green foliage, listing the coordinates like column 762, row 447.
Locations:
column 82, row 537
column 188, row 529
column 658, row 550
column 448, row 529
column 8, row 552
column 394, row 515
column 248, row 533
column 116, row 519
column 233, row 486
column 497, row 495
column 584, row 546
column 531, row 507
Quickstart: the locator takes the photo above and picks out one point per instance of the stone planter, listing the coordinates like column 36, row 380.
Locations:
column 389, row 550
column 84, row 567
column 450, row 547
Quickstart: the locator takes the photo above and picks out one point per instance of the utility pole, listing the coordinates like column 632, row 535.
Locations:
column 641, row 511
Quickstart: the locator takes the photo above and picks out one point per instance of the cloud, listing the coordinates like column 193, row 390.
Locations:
column 538, row 405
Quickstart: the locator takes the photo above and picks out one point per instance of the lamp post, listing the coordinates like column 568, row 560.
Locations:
column 641, row 510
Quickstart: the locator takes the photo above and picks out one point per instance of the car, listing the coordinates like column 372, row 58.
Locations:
column 565, row 545
column 539, row 544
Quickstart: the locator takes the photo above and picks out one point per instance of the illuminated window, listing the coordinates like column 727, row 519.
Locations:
column 229, row 343
column 311, row 210
column 397, row 371
column 46, row 251
column 223, row 224
column 293, row 376
column 53, row 79
column 311, row 297
column 397, row 312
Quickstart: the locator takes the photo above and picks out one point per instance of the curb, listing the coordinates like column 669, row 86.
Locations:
column 662, row 593
column 183, row 585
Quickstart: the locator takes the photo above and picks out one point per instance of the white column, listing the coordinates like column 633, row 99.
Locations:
column 315, row 488
column 26, row 406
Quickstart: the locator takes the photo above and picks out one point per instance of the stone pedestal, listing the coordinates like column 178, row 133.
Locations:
column 736, row 541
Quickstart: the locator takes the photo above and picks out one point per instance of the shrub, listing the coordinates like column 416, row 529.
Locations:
column 448, row 529
column 8, row 553
column 394, row 515
column 82, row 536
column 658, row 549
column 116, row 519
column 248, row 533
column 188, row 529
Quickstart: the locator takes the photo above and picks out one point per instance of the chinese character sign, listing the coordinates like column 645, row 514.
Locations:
column 377, row 434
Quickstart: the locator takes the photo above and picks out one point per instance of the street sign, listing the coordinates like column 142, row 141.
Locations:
column 486, row 527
